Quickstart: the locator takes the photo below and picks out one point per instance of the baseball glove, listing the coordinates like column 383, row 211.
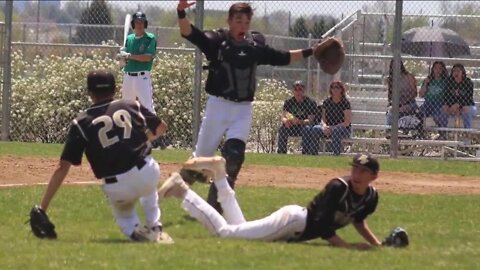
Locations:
column 330, row 55
column 191, row 176
column 40, row 224
column 397, row 238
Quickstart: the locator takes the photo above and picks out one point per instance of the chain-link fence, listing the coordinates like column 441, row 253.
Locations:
column 56, row 45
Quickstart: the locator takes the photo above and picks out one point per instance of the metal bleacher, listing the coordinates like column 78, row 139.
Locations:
column 369, row 103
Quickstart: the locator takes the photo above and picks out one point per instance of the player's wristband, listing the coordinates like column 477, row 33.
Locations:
column 307, row 52
column 181, row 14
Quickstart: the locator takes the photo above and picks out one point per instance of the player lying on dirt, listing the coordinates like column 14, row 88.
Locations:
column 344, row 200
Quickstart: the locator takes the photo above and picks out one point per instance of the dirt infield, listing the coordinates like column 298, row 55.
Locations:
column 29, row 170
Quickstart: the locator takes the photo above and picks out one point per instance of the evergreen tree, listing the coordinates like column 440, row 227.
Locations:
column 319, row 28
column 300, row 28
column 97, row 13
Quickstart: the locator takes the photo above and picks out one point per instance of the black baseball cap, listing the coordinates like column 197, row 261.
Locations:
column 366, row 160
column 99, row 81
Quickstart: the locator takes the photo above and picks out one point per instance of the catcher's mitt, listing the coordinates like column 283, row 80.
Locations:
column 191, row 176
column 40, row 224
column 397, row 238
column 330, row 55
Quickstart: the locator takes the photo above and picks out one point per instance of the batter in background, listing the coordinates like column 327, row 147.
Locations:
column 139, row 51
column 233, row 56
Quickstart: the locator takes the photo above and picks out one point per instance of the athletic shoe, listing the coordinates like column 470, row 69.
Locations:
column 208, row 165
column 161, row 236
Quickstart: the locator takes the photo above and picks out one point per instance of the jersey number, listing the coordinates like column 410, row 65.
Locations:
column 121, row 118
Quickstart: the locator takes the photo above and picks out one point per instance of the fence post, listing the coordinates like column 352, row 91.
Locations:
column 198, row 74
column 385, row 45
column 309, row 68
column 7, row 67
column 397, row 35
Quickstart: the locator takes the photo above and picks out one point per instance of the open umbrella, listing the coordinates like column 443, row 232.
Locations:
column 434, row 42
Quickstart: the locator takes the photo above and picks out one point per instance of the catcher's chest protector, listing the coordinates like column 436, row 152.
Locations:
column 236, row 63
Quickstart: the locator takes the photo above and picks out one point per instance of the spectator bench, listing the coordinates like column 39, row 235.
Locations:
column 377, row 142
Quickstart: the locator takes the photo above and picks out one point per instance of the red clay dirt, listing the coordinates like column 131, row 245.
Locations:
column 34, row 170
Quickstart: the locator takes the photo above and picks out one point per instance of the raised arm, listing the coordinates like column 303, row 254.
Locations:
column 183, row 22
column 299, row 54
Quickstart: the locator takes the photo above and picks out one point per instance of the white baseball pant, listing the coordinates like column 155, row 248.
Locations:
column 132, row 186
column 285, row 224
column 222, row 117
column 140, row 87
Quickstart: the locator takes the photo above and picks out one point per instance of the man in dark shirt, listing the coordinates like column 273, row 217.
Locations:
column 115, row 136
column 298, row 112
column 344, row 200
column 233, row 55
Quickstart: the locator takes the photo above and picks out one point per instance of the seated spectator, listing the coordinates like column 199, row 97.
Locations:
column 432, row 90
column 298, row 112
column 408, row 93
column 458, row 97
column 336, row 121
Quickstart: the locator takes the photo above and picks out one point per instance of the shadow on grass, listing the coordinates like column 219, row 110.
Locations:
column 116, row 241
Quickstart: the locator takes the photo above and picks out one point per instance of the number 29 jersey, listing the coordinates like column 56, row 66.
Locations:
column 113, row 136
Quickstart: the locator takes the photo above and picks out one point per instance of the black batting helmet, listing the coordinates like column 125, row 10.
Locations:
column 100, row 81
column 139, row 16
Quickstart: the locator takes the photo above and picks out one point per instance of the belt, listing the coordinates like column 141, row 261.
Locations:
column 232, row 99
column 136, row 73
column 113, row 179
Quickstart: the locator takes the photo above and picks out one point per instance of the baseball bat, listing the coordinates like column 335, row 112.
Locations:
column 126, row 28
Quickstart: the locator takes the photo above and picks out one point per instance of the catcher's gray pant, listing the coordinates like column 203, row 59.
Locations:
column 131, row 186
column 139, row 86
column 287, row 223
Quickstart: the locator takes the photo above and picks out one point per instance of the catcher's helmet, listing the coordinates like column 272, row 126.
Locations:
column 139, row 16
column 100, row 81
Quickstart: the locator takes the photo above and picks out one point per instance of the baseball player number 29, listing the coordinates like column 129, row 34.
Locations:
column 126, row 28
column 121, row 118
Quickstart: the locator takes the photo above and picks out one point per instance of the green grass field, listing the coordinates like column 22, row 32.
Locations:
column 443, row 229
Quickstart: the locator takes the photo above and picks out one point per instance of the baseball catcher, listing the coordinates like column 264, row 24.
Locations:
column 233, row 55
column 330, row 55
column 397, row 238
column 41, row 225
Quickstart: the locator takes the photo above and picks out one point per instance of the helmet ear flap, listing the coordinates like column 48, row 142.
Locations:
column 146, row 23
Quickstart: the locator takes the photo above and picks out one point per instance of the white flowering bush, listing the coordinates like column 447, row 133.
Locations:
column 48, row 92
column 172, row 78
column 267, row 110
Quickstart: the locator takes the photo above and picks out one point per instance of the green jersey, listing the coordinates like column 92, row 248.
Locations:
column 147, row 44
column 435, row 91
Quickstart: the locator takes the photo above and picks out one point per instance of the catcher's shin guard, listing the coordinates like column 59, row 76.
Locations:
column 234, row 153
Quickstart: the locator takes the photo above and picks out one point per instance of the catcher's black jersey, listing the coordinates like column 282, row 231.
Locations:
column 113, row 136
column 337, row 206
column 233, row 64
